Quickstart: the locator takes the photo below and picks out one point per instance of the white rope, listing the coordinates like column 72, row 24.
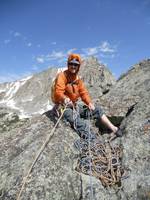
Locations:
column 90, row 156
column 38, row 154
column 75, row 115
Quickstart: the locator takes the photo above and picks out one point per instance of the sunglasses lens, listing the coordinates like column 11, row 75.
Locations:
column 74, row 64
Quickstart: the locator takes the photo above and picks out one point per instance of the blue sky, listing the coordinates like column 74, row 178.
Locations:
column 37, row 34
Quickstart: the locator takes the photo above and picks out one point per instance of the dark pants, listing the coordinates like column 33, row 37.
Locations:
column 77, row 117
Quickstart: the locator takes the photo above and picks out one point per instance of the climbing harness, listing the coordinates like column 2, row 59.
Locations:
column 39, row 153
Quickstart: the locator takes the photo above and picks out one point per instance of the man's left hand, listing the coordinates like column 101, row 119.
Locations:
column 91, row 106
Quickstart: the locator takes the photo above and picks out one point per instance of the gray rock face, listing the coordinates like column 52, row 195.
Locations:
column 54, row 176
column 136, row 145
column 31, row 95
column 97, row 77
column 128, row 90
column 9, row 120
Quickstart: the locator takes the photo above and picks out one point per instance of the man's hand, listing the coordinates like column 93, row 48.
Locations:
column 68, row 102
column 91, row 106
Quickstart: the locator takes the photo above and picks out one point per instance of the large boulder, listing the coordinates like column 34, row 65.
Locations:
column 136, row 148
column 53, row 176
column 128, row 90
column 97, row 77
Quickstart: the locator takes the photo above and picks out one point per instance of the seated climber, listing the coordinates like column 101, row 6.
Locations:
column 67, row 90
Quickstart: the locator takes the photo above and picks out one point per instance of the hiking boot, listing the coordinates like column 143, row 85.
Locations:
column 113, row 135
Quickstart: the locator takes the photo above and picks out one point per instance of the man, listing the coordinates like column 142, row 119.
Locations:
column 68, row 89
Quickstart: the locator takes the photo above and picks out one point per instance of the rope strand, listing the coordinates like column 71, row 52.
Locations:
column 39, row 153
column 90, row 156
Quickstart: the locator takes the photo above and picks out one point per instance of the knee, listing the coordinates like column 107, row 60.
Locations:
column 98, row 112
column 68, row 115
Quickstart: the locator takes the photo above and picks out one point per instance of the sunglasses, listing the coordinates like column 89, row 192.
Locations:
column 74, row 64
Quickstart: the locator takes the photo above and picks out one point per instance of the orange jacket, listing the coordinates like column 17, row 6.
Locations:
column 69, row 85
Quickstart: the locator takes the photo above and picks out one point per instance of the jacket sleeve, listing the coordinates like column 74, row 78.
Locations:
column 60, row 86
column 84, row 94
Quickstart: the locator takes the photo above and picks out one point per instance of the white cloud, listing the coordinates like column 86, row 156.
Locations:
column 17, row 34
column 21, row 37
column 53, row 43
column 106, row 47
column 29, row 44
column 40, row 60
column 7, row 41
column 56, row 55
column 91, row 51
column 71, row 51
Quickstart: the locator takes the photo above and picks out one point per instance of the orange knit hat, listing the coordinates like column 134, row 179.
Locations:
column 74, row 58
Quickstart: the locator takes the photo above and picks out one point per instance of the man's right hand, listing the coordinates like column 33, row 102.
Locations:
column 68, row 102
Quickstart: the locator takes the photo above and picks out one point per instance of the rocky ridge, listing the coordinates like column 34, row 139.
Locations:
column 54, row 175
column 130, row 88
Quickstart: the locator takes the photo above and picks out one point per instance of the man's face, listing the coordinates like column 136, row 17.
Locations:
column 73, row 68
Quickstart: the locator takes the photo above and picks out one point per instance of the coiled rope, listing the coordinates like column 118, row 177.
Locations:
column 102, row 159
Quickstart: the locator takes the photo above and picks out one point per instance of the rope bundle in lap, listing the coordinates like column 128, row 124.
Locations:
column 100, row 160
column 105, row 162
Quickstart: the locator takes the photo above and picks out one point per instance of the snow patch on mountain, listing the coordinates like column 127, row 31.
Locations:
column 11, row 96
column 62, row 69
column 2, row 90
column 10, row 90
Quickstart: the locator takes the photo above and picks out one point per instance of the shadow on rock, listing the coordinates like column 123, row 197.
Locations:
column 51, row 115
